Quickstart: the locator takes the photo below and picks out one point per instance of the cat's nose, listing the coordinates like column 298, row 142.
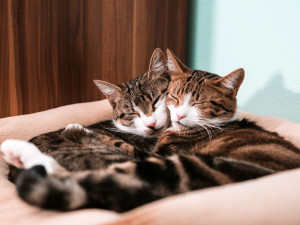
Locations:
column 179, row 117
column 151, row 124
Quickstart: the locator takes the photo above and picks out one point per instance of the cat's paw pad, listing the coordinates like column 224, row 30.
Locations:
column 76, row 126
column 25, row 155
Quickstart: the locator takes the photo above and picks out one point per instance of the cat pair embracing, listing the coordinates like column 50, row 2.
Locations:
column 174, row 129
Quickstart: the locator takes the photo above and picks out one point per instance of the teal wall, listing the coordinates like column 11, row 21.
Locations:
column 263, row 37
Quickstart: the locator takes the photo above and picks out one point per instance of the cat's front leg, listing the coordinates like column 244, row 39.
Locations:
column 24, row 155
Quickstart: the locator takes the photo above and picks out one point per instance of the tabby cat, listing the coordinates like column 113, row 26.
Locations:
column 205, row 146
column 140, row 115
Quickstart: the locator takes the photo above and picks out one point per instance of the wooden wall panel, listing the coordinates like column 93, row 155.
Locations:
column 54, row 49
column 158, row 24
column 4, row 63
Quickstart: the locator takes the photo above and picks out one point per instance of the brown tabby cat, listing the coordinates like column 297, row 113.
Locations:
column 139, row 116
column 206, row 146
column 203, row 113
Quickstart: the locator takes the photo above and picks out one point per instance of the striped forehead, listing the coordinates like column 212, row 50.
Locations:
column 195, row 80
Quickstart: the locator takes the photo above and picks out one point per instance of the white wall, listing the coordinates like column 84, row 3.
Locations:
column 263, row 37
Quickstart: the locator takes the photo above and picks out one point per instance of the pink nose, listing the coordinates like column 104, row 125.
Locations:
column 179, row 117
column 152, row 124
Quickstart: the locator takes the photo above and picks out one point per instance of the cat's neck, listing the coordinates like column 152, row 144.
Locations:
column 203, row 131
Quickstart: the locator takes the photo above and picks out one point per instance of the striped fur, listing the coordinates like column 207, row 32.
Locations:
column 124, row 186
column 124, row 138
column 204, row 147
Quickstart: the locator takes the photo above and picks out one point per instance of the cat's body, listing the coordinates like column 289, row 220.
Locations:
column 239, row 140
column 123, row 186
column 97, row 146
column 210, row 128
column 93, row 147
column 139, row 117
column 206, row 146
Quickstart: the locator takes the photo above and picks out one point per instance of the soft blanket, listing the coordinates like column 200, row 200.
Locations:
column 273, row 199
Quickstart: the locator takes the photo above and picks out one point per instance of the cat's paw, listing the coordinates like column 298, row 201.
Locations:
column 76, row 126
column 73, row 126
column 23, row 154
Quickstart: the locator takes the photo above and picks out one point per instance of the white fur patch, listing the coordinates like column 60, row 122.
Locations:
column 27, row 154
column 77, row 126
column 73, row 126
column 189, row 113
column 161, row 114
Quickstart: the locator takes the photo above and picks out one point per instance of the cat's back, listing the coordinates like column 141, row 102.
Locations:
column 100, row 145
column 242, row 140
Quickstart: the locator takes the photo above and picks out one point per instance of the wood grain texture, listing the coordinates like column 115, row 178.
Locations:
column 4, row 63
column 52, row 50
column 158, row 24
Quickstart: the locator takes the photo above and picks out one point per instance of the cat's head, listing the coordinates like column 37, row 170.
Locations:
column 139, row 106
column 198, row 98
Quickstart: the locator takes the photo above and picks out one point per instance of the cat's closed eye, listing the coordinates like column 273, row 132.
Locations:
column 154, row 103
column 173, row 98
column 198, row 103
column 140, row 103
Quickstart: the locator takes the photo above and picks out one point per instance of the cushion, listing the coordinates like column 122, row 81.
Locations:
column 269, row 200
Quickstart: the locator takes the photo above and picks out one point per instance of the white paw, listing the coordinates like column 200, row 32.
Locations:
column 74, row 126
column 25, row 155
column 77, row 126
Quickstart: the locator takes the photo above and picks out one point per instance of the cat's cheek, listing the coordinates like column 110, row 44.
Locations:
column 161, row 116
column 192, row 118
column 140, row 126
column 172, row 110
column 121, row 126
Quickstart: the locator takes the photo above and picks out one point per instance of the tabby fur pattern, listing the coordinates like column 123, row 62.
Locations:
column 131, row 134
column 205, row 146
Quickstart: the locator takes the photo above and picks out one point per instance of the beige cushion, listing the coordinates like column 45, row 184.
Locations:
column 270, row 200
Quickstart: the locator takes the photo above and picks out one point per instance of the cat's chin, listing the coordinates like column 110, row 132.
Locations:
column 176, row 126
column 154, row 132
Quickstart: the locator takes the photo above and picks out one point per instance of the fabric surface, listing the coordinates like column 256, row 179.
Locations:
column 273, row 199
column 27, row 126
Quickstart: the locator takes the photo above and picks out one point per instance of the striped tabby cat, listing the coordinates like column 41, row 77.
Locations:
column 205, row 146
column 139, row 116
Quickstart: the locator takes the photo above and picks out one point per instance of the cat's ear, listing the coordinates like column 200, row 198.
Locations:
column 111, row 91
column 175, row 66
column 232, row 81
column 157, row 64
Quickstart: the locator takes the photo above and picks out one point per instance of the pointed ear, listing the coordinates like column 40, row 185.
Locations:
column 174, row 64
column 111, row 91
column 232, row 81
column 157, row 64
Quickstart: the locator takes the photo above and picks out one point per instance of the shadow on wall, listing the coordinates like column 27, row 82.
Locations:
column 274, row 99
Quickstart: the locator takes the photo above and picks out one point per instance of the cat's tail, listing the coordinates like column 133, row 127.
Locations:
column 36, row 188
column 104, row 189
column 124, row 186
